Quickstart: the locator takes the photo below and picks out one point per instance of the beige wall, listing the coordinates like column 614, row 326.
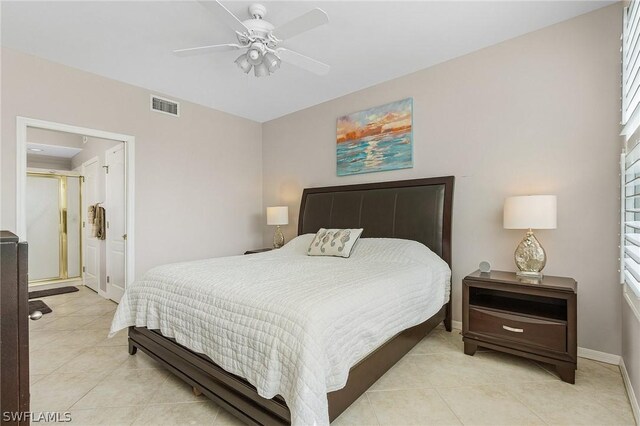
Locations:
column 48, row 162
column 538, row 114
column 198, row 177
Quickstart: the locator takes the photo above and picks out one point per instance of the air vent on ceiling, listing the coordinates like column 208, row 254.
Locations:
column 165, row 106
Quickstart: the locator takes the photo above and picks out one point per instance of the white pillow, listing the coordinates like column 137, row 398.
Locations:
column 334, row 242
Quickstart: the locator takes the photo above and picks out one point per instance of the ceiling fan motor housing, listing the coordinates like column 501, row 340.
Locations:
column 258, row 29
column 258, row 11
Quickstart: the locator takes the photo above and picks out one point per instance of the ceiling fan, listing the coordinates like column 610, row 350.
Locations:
column 261, row 39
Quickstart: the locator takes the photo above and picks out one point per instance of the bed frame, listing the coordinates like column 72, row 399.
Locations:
column 418, row 209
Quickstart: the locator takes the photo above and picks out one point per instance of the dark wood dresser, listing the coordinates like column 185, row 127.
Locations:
column 531, row 318
column 14, row 330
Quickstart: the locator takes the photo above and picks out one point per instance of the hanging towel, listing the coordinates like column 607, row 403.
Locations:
column 91, row 214
column 100, row 225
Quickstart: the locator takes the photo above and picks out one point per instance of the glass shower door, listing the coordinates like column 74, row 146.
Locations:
column 43, row 227
column 53, row 227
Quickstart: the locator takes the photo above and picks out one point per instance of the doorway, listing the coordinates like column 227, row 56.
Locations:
column 60, row 188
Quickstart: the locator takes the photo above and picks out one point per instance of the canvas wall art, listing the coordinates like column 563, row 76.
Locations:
column 377, row 139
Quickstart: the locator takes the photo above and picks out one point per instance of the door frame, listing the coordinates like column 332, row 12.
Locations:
column 22, row 123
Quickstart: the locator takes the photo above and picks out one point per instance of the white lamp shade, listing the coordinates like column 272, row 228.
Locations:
column 530, row 211
column 278, row 215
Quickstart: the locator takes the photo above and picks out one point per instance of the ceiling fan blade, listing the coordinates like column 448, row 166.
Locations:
column 206, row 49
column 302, row 61
column 216, row 8
column 308, row 21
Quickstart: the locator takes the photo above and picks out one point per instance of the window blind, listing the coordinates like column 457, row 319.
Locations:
column 630, row 221
column 631, row 68
column 630, row 161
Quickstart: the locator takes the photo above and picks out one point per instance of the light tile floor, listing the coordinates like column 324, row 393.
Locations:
column 75, row 368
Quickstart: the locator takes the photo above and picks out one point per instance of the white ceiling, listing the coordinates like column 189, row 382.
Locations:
column 365, row 43
column 52, row 150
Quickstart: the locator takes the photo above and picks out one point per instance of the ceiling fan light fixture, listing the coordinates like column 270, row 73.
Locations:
column 271, row 61
column 243, row 63
column 261, row 70
column 254, row 57
column 255, row 53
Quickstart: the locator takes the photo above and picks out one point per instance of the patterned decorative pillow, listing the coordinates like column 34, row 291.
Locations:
column 334, row 242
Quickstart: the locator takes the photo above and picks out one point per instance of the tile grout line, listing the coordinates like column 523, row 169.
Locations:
column 366, row 394
column 106, row 376
column 523, row 382
column 146, row 404
column 85, row 394
column 535, row 413
column 583, row 394
column 449, row 406
column 80, row 353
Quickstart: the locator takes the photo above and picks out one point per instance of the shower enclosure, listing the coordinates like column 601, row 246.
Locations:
column 54, row 226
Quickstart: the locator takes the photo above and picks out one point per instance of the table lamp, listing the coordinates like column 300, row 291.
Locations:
column 278, row 216
column 530, row 212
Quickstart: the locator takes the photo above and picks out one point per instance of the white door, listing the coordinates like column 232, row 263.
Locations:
column 91, row 245
column 115, row 208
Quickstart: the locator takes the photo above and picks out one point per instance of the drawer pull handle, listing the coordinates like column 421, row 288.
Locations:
column 515, row 330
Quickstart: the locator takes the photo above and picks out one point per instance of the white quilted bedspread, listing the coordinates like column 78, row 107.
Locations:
column 289, row 323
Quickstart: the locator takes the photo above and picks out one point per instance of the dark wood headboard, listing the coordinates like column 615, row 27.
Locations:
column 417, row 209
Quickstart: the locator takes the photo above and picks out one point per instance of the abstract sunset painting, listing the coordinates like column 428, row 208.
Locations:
column 377, row 139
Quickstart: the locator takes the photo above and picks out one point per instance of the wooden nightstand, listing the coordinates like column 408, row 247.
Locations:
column 536, row 320
column 262, row 250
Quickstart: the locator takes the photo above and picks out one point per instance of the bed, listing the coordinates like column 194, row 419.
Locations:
column 396, row 216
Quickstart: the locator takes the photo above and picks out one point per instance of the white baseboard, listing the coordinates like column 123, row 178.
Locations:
column 631, row 394
column 605, row 357
column 64, row 283
column 456, row 324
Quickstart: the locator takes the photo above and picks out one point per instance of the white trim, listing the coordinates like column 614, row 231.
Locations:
column 631, row 286
column 21, row 177
column 622, row 213
column 605, row 357
column 632, row 124
column 635, row 407
column 47, row 286
column 626, row 294
column 456, row 324
column 72, row 173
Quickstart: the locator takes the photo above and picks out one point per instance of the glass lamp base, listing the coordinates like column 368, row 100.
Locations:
column 531, row 275
column 530, row 257
column 278, row 238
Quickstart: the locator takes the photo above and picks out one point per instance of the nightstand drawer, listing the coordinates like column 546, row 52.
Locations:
column 544, row 333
